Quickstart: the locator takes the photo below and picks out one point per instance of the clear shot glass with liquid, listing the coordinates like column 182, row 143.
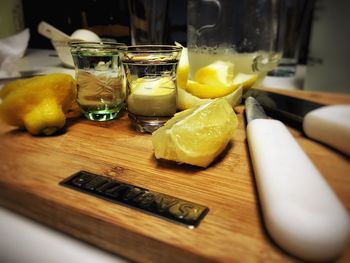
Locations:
column 100, row 79
column 150, row 72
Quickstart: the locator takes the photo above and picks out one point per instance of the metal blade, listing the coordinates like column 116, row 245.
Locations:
column 288, row 109
column 254, row 110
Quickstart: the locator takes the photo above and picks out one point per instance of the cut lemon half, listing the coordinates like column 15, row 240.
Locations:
column 196, row 136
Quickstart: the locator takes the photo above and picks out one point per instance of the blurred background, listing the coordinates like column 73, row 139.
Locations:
column 107, row 18
column 317, row 34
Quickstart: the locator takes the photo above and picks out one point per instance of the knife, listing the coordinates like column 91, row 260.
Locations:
column 301, row 212
column 327, row 124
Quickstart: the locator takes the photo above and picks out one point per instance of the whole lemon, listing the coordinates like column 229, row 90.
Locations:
column 38, row 103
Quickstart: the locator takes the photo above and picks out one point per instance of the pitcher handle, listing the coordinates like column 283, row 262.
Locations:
column 218, row 6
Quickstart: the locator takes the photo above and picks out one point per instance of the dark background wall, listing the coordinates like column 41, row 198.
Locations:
column 110, row 19
column 107, row 18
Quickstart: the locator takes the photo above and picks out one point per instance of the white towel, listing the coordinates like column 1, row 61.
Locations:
column 11, row 49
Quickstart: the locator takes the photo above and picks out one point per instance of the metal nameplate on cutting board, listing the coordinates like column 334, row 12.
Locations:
column 151, row 202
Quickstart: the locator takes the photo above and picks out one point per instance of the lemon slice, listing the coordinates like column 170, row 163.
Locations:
column 196, row 136
column 152, row 97
column 182, row 68
column 186, row 100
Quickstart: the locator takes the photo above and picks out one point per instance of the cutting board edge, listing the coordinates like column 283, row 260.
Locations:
column 149, row 249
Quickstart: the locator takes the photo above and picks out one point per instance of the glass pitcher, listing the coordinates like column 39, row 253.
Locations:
column 244, row 32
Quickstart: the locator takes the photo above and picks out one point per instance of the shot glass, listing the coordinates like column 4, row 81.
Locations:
column 150, row 84
column 100, row 79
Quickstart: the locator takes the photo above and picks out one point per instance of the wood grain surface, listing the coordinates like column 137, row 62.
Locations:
column 233, row 230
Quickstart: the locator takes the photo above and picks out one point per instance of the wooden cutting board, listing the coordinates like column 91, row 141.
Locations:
column 31, row 169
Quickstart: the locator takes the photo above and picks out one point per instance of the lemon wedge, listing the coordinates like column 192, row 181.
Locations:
column 246, row 80
column 204, row 91
column 213, row 81
column 182, row 68
column 196, row 136
column 186, row 100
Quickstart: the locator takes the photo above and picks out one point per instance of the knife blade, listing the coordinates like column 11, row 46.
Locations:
column 301, row 212
column 326, row 124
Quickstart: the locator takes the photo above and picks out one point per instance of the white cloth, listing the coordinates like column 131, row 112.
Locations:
column 11, row 49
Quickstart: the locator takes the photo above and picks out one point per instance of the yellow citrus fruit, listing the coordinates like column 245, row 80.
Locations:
column 235, row 97
column 198, row 135
column 218, row 74
column 204, row 91
column 39, row 103
column 186, row 100
column 213, row 81
column 246, row 80
column 182, row 69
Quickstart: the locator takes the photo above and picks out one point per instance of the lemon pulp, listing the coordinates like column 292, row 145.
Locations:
column 198, row 135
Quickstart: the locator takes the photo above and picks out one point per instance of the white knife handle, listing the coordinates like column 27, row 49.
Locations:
column 301, row 212
column 330, row 125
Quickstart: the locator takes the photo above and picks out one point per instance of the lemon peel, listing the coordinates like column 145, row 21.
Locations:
column 205, row 91
column 218, row 74
column 182, row 68
column 186, row 100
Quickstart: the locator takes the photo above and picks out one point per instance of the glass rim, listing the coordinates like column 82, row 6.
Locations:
column 96, row 44
column 152, row 48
